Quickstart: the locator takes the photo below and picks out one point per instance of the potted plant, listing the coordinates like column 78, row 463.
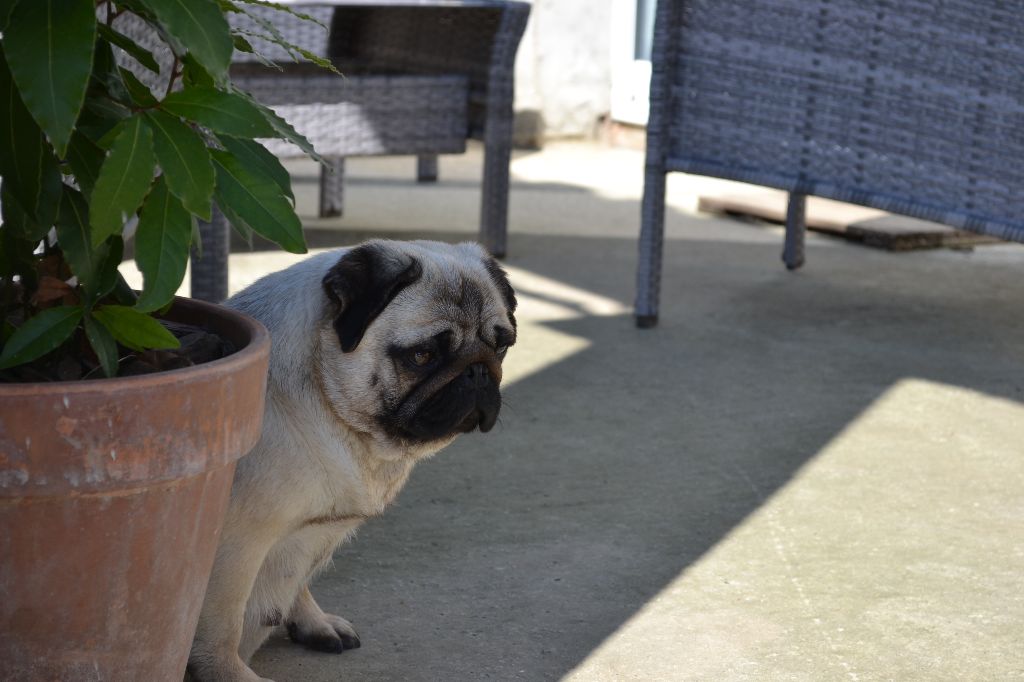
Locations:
column 113, row 487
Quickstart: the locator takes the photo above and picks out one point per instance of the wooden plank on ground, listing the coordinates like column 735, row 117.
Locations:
column 868, row 226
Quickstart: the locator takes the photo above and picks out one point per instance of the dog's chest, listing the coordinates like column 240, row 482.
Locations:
column 380, row 482
column 355, row 482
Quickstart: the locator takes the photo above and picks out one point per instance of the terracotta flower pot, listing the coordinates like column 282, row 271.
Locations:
column 112, row 496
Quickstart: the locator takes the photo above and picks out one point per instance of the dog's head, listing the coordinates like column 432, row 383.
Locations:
column 414, row 338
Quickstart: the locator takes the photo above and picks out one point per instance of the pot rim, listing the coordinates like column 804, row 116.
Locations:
column 253, row 328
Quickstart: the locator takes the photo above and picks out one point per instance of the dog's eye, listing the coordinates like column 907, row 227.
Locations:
column 421, row 357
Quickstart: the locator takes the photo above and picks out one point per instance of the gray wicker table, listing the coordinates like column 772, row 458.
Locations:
column 421, row 77
column 912, row 107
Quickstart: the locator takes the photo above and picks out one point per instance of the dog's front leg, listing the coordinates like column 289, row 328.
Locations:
column 214, row 656
column 310, row 626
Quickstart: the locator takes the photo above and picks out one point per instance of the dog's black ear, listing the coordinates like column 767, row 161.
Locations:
column 362, row 284
column 500, row 279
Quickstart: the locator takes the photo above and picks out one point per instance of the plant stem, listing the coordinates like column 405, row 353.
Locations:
column 175, row 72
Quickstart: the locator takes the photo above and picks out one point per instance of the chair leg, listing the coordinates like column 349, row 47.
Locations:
column 210, row 272
column 652, row 234
column 796, row 229
column 426, row 168
column 332, row 187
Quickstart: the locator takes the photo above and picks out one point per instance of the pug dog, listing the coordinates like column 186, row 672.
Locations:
column 381, row 355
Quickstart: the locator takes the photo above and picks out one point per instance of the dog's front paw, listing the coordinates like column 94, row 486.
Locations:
column 332, row 634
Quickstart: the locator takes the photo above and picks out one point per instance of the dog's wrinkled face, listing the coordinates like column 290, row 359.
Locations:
column 416, row 335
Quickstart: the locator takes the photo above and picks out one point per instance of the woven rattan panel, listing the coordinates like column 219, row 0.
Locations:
column 366, row 115
column 909, row 106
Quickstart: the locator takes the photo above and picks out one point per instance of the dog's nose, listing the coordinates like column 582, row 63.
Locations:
column 477, row 375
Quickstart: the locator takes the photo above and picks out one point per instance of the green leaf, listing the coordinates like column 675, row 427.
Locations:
column 5, row 12
column 221, row 112
column 141, row 54
column 236, row 222
column 133, row 329
column 241, row 44
column 106, row 141
column 123, row 292
column 185, row 161
column 85, row 158
column 103, row 345
column 49, row 46
column 99, row 117
column 26, row 159
column 258, row 201
column 16, row 221
column 40, row 335
column 202, row 29
column 108, row 257
column 139, row 92
column 275, row 36
column 161, row 247
column 193, row 73
column 284, row 8
column 105, row 83
column 74, row 236
column 285, row 131
column 256, row 157
column 197, row 238
column 322, row 62
column 123, row 181
column 138, row 7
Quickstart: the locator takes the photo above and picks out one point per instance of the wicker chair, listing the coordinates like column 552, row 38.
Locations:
column 421, row 77
column 911, row 107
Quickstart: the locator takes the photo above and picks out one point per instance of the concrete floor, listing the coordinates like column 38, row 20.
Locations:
column 796, row 476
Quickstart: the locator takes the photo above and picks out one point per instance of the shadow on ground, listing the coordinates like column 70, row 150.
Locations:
column 515, row 554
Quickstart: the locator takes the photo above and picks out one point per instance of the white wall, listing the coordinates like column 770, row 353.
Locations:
column 563, row 68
